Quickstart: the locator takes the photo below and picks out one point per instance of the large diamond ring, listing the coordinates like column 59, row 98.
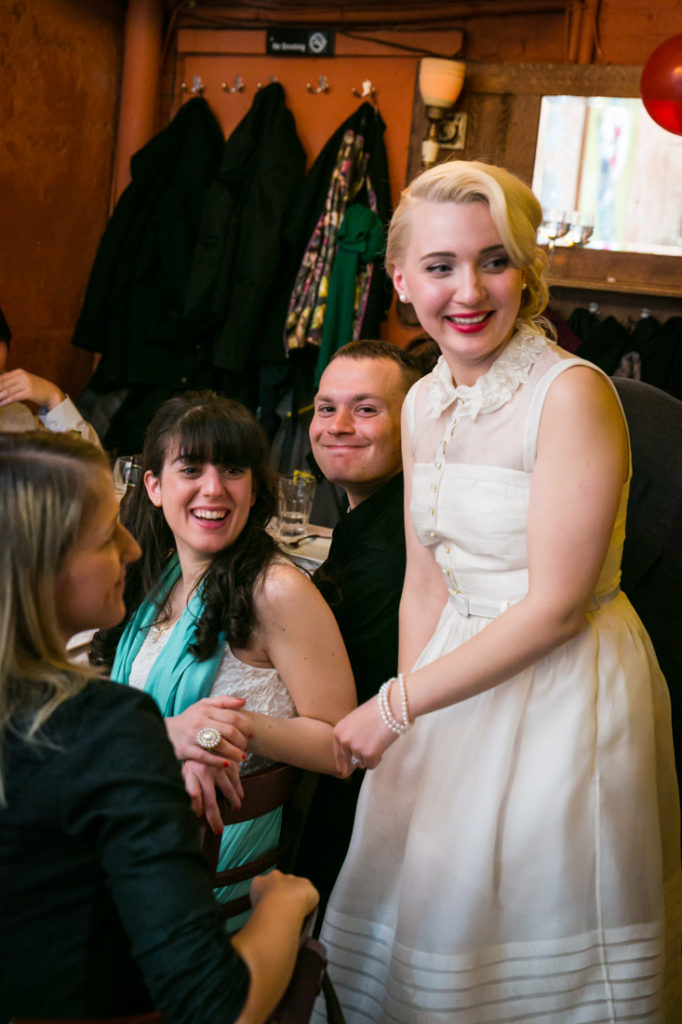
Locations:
column 208, row 738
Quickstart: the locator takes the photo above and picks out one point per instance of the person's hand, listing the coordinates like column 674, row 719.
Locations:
column 361, row 738
column 22, row 386
column 270, row 940
column 300, row 891
column 201, row 783
column 225, row 715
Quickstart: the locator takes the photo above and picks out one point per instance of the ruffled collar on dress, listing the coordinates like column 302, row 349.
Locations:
column 494, row 388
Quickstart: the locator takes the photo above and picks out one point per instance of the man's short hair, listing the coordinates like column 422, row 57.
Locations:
column 370, row 348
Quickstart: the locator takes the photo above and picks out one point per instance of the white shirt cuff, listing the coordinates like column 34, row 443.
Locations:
column 66, row 416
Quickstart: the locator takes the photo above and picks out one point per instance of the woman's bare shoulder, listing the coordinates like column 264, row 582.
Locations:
column 585, row 384
column 281, row 580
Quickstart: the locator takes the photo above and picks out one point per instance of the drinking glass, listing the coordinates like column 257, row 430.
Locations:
column 126, row 472
column 295, row 493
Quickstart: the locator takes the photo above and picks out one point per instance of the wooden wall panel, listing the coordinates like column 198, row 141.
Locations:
column 58, row 110
column 522, row 37
column 630, row 30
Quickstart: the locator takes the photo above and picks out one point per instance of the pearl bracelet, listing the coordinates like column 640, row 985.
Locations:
column 389, row 719
column 404, row 703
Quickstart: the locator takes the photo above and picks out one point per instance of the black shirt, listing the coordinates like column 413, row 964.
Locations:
column 362, row 581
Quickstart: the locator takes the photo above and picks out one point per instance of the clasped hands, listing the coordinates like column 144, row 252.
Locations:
column 204, row 771
column 361, row 739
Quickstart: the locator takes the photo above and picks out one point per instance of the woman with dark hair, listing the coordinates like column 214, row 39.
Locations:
column 106, row 900
column 234, row 643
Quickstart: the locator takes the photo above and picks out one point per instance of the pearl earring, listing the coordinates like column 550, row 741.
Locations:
column 402, row 297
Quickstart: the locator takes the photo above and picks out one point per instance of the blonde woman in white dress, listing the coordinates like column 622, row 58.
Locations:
column 516, row 850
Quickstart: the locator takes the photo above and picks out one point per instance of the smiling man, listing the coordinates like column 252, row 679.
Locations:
column 355, row 432
column 355, row 437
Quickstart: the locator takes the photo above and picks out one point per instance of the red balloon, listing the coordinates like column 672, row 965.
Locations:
column 661, row 85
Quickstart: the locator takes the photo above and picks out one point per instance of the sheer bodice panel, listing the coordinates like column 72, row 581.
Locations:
column 471, row 487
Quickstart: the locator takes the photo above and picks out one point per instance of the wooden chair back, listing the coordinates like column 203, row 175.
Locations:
column 265, row 790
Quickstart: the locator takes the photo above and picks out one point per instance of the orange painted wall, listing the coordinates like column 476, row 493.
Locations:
column 58, row 108
column 217, row 57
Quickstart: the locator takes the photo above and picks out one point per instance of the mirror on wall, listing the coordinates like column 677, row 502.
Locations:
column 504, row 106
column 608, row 176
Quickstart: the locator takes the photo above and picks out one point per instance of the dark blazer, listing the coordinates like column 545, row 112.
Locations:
column 652, row 556
column 107, row 906
column 135, row 295
column 261, row 175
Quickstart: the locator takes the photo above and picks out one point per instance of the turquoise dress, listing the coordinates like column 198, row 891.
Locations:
column 177, row 680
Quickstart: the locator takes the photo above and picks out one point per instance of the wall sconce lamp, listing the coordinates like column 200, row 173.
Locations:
column 440, row 83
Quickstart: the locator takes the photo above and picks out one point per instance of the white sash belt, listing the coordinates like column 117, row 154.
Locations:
column 487, row 609
column 491, row 609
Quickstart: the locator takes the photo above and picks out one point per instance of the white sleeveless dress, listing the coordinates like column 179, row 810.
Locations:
column 516, row 856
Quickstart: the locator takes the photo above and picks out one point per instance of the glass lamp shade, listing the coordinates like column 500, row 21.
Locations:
column 440, row 81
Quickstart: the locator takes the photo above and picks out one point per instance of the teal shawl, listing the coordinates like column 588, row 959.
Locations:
column 176, row 681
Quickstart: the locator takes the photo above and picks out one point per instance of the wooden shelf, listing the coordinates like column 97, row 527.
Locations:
column 673, row 291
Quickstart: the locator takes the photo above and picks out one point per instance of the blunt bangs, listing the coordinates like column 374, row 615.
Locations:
column 225, row 442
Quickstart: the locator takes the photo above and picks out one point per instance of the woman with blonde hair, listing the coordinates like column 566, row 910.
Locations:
column 516, row 852
column 106, row 900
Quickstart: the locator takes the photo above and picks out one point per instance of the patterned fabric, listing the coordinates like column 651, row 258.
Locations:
column 361, row 241
column 308, row 301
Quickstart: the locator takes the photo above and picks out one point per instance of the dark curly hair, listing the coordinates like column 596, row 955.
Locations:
column 202, row 427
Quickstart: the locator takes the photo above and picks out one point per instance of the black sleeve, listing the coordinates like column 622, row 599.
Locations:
column 363, row 588
column 127, row 795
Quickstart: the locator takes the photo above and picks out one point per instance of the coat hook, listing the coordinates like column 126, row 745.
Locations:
column 367, row 91
column 322, row 85
column 197, row 87
column 273, row 78
column 237, row 87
